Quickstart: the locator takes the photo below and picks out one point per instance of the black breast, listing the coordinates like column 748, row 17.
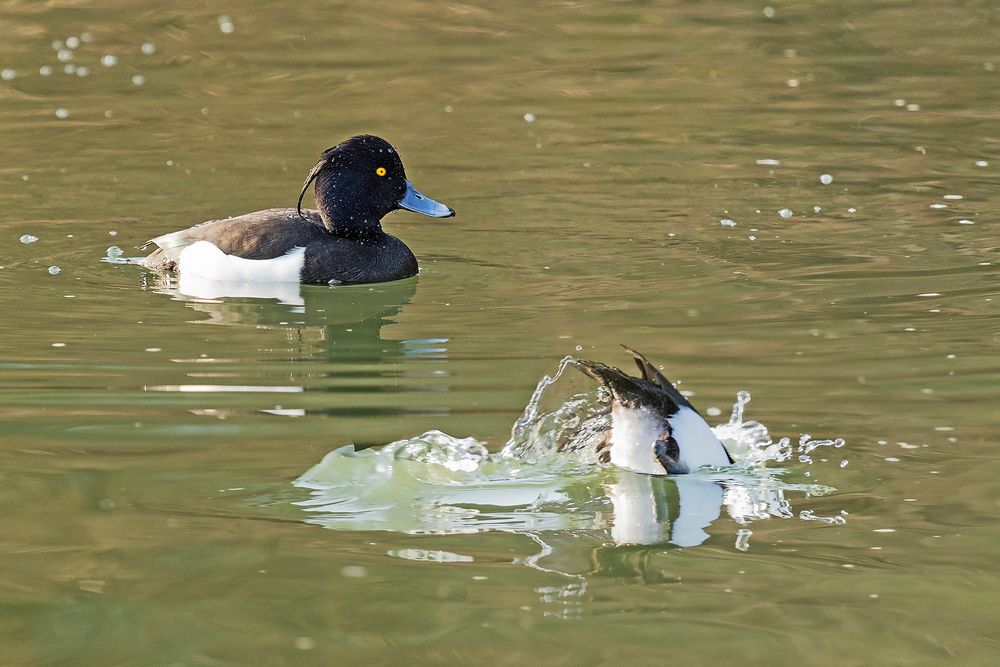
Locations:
column 373, row 259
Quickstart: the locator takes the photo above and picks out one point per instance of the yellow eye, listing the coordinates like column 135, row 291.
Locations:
column 380, row 171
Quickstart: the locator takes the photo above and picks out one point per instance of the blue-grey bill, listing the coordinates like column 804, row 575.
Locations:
column 416, row 202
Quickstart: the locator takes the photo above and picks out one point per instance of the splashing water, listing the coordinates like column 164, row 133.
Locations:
column 545, row 479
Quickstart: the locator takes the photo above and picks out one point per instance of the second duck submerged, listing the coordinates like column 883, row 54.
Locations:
column 358, row 182
column 654, row 429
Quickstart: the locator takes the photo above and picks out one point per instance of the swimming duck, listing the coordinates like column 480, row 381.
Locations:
column 358, row 182
column 654, row 429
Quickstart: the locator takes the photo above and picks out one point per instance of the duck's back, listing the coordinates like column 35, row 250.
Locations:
column 271, row 233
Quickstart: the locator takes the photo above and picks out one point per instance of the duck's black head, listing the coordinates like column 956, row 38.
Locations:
column 359, row 181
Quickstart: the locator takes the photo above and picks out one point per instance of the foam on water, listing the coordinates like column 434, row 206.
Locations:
column 438, row 484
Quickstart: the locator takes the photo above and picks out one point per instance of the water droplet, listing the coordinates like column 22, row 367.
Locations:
column 148, row 48
column 913, row 107
column 792, row 83
column 8, row 75
column 786, row 213
column 72, row 42
column 86, row 37
column 448, row 109
column 899, row 102
column 64, row 55
column 852, row 210
column 109, row 60
column 305, row 643
column 769, row 12
column 62, row 113
column 112, row 233
column 28, row 238
column 713, row 411
column 843, row 464
column 45, row 70
column 768, row 162
column 70, row 68
column 54, row 270
column 826, row 179
column 354, row 571
column 82, row 71
column 138, row 79
column 226, row 25
column 817, row 209
column 58, row 45
column 982, row 163
column 726, row 222
column 529, row 118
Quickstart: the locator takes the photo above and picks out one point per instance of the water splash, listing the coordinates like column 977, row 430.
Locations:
column 543, row 482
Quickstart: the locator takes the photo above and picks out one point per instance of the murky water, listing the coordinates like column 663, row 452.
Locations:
column 796, row 201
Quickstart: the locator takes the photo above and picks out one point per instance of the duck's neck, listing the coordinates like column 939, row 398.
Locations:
column 343, row 214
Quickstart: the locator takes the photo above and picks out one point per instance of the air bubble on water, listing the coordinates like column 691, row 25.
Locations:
column 138, row 79
column 62, row 113
column 114, row 255
column 843, row 464
column 54, row 270
column 817, row 209
column 852, row 210
column 913, row 107
column 86, row 37
column 109, row 113
column 982, row 163
column 148, row 48
column 579, row 348
column 112, row 233
column 792, row 83
column 226, row 25
column 900, row 102
column 939, row 205
column 529, row 118
column 64, row 55
column 769, row 12
column 768, row 162
column 8, row 75
column 28, row 238
column 72, row 42
column 726, row 222
column 45, row 70
column 826, row 179
column 82, row 71
column 109, row 60
column 69, row 68
column 786, row 213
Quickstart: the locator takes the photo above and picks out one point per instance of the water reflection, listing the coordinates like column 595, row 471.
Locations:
column 436, row 484
column 289, row 305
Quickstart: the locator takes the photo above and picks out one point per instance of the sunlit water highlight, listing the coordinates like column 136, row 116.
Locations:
column 435, row 483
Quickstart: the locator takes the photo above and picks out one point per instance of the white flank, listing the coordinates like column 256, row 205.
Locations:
column 634, row 432
column 698, row 444
column 204, row 260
